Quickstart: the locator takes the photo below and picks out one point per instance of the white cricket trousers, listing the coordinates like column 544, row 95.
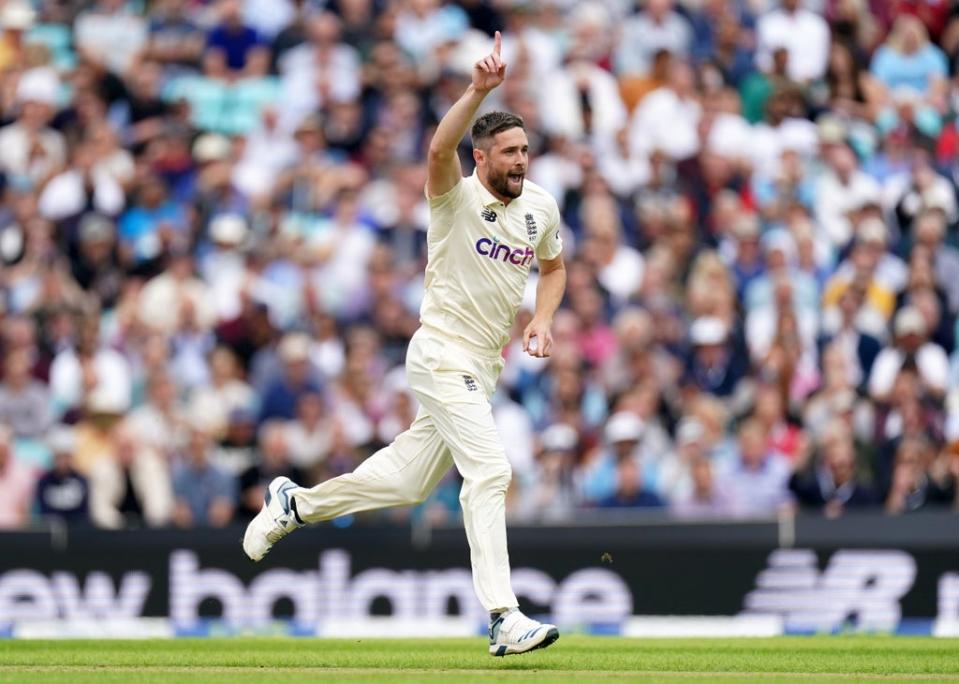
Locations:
column 454, row 425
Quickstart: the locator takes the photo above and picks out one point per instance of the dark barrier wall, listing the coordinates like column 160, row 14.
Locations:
column 817, row 574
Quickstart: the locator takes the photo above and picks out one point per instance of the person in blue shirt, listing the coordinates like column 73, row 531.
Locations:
column 234, row 46
column 630, row 491
column 206, row 494
column 909, row 60
column 62, row 492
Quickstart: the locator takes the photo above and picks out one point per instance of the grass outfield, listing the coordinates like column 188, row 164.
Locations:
column 572, row 659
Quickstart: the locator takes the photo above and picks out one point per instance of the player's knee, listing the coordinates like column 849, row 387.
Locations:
column 495, row 478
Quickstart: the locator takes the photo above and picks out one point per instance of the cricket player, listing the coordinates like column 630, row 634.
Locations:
column 484, row 231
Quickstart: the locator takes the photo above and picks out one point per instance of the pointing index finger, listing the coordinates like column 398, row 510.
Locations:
column 497, row 43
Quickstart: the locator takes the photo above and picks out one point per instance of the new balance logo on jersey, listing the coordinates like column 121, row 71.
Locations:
column 470, row 383
column 488, row 215
column 530, row 227
column 500, row 251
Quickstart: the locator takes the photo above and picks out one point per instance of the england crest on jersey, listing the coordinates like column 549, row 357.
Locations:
column 530, row 227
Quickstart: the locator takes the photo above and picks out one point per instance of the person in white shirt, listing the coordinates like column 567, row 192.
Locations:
column 29, row 148
column 657, row 27
column 668, row 118
column 841, row 190
column 110, row 34
column 912, row 346
column 485, row 230
column 803, row 33
column 76, row 373
column 321, row 71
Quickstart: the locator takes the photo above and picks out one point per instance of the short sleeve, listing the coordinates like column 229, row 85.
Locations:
column 550, row 245
column 450, row 198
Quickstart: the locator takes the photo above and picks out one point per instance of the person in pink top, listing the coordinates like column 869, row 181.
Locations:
column 16, row 485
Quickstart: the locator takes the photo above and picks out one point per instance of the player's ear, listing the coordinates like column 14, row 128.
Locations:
column 479, row 156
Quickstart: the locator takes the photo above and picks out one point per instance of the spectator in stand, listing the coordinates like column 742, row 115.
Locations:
column 233, row 48
column 832, row 484
column 30, row 150
column 549, row 496
column 62, row 492
column 715, row 364
column 911, row 350
column 16, row 485
column 598, row 474
column 803, row 33
column 908, row 61
column 705, row 499
column 292, row 382
column 130, row 485
column 24, row 401
column 657, row 27
column 205, row 494
column 273, row 462
column 756, row 481
column 912, row 488
column 630, row 491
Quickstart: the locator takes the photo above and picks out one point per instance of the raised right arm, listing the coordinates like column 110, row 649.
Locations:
column 443, row 165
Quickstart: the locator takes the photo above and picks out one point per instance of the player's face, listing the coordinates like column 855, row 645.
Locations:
column 506, row 161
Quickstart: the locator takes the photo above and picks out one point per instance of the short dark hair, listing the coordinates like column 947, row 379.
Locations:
column 491, row 123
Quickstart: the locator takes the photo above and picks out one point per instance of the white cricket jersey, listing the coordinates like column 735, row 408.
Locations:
column 480, row 253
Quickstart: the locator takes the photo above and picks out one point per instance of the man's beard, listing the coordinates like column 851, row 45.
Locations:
column 500, row 183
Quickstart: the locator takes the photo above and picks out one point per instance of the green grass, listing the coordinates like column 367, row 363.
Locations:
column 572, row 659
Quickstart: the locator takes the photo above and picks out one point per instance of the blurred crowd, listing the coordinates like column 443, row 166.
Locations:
column 212, row 240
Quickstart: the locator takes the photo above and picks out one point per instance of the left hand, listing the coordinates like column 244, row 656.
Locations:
column 543, row 344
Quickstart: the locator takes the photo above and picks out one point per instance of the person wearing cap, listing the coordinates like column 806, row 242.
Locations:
column 16, row 18
column 597, row 476
column 96, row 267
column 30, row 149
column 62, row 492
column 714, row 363
column 675, row 472
column 549, row 495
column 911, row 348
column 225, row 266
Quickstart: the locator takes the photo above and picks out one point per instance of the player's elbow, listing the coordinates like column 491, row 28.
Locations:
column 440, row 154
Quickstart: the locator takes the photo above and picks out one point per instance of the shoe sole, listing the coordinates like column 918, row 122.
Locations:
column 551, row 637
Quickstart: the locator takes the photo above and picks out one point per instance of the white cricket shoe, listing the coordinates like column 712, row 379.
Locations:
column 274, row 521
column 513, row 632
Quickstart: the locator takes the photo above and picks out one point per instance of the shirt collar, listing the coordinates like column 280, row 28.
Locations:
column 486, row 197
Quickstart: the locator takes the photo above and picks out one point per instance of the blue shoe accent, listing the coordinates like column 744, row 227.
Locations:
column 494, row 627
column 501, row 651
column 284, row 492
